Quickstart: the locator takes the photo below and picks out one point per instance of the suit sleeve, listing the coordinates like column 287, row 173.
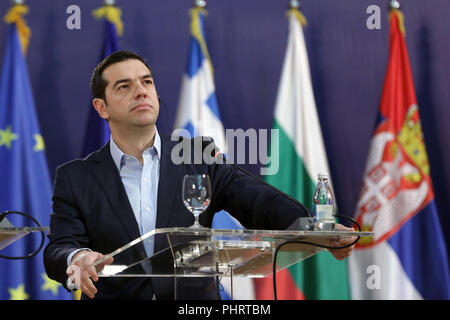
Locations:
column 253, row 203
column 67, row 229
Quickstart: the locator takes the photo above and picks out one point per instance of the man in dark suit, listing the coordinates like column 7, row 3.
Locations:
column 132, row 186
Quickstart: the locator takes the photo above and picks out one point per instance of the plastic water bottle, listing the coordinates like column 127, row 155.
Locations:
column 323, row 204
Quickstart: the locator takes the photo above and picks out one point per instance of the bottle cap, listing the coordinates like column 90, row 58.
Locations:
column 322, row 176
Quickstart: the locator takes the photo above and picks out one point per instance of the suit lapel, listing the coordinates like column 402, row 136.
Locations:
column 169, row 180
column 109, row 178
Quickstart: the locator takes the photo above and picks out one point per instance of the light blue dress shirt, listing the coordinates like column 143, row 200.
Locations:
column 141, row 185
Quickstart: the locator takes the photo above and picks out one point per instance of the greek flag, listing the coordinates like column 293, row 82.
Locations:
column 198, row 113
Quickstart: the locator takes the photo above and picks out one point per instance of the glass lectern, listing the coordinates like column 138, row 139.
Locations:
column 201, row 257
column 10, row 234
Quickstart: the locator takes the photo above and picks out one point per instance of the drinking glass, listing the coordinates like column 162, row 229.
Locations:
column 196, row 195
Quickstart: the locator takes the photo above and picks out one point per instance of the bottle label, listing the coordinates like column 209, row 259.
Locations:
column 324, row 212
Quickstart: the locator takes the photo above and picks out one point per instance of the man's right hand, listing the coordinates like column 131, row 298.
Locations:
column 81, row 271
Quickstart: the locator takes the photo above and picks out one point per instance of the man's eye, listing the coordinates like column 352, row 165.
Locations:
column 123, row 87
column 148, row 81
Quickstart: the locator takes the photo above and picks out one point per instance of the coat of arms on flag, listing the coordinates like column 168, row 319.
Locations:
column 397, row 183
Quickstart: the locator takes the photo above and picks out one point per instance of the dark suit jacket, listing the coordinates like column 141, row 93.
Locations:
column 91, row 209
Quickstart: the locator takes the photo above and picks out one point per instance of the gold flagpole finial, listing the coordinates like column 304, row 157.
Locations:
column 394, row 7
column 16, row 15
column 110, row 12
column 198, row 9
column 294, row 8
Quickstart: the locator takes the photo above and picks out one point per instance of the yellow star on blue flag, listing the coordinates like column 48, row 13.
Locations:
column 7, row 137
column 18, row 293
column 40, row 145
column 50, row 284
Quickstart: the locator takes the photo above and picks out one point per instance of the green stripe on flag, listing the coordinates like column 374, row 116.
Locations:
column 292, row 176
column 321, row 276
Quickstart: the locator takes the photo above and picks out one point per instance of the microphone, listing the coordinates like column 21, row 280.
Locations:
column 220, row 159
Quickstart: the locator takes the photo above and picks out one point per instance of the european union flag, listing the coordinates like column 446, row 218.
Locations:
column 25, row 179
column 98, row 132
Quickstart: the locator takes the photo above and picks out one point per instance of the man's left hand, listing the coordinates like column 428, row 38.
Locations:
column 341, row 254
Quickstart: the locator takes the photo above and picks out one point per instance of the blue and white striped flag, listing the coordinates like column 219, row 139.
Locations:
column 198, row 113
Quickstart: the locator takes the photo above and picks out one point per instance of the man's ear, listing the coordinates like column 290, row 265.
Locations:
column 100, row 107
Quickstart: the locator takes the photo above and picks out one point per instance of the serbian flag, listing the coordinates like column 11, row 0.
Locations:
column 406, row 259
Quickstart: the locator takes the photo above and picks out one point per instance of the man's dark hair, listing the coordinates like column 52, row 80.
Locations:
column 98, row 83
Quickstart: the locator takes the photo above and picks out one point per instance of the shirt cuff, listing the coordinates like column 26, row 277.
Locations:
column 69, row 258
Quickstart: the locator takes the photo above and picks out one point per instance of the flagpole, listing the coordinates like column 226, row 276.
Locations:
column 200, row 4
column 294, row 4
column 394, row 8
column 394, row 4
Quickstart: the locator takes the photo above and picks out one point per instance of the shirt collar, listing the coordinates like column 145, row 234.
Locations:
column 117, row 154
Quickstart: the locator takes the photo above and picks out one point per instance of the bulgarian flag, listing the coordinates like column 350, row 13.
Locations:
column 406, row 259
column 302, row 157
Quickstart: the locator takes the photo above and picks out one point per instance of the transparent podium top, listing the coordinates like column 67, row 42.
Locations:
column 203, row 252
column 11, row 234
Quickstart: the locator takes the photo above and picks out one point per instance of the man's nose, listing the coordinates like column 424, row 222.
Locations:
column 141, row 92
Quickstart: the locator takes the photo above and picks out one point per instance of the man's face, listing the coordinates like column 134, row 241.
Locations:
column 131, row 98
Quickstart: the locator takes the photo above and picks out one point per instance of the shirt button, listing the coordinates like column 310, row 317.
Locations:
column 145, row 179
column 147, row 208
